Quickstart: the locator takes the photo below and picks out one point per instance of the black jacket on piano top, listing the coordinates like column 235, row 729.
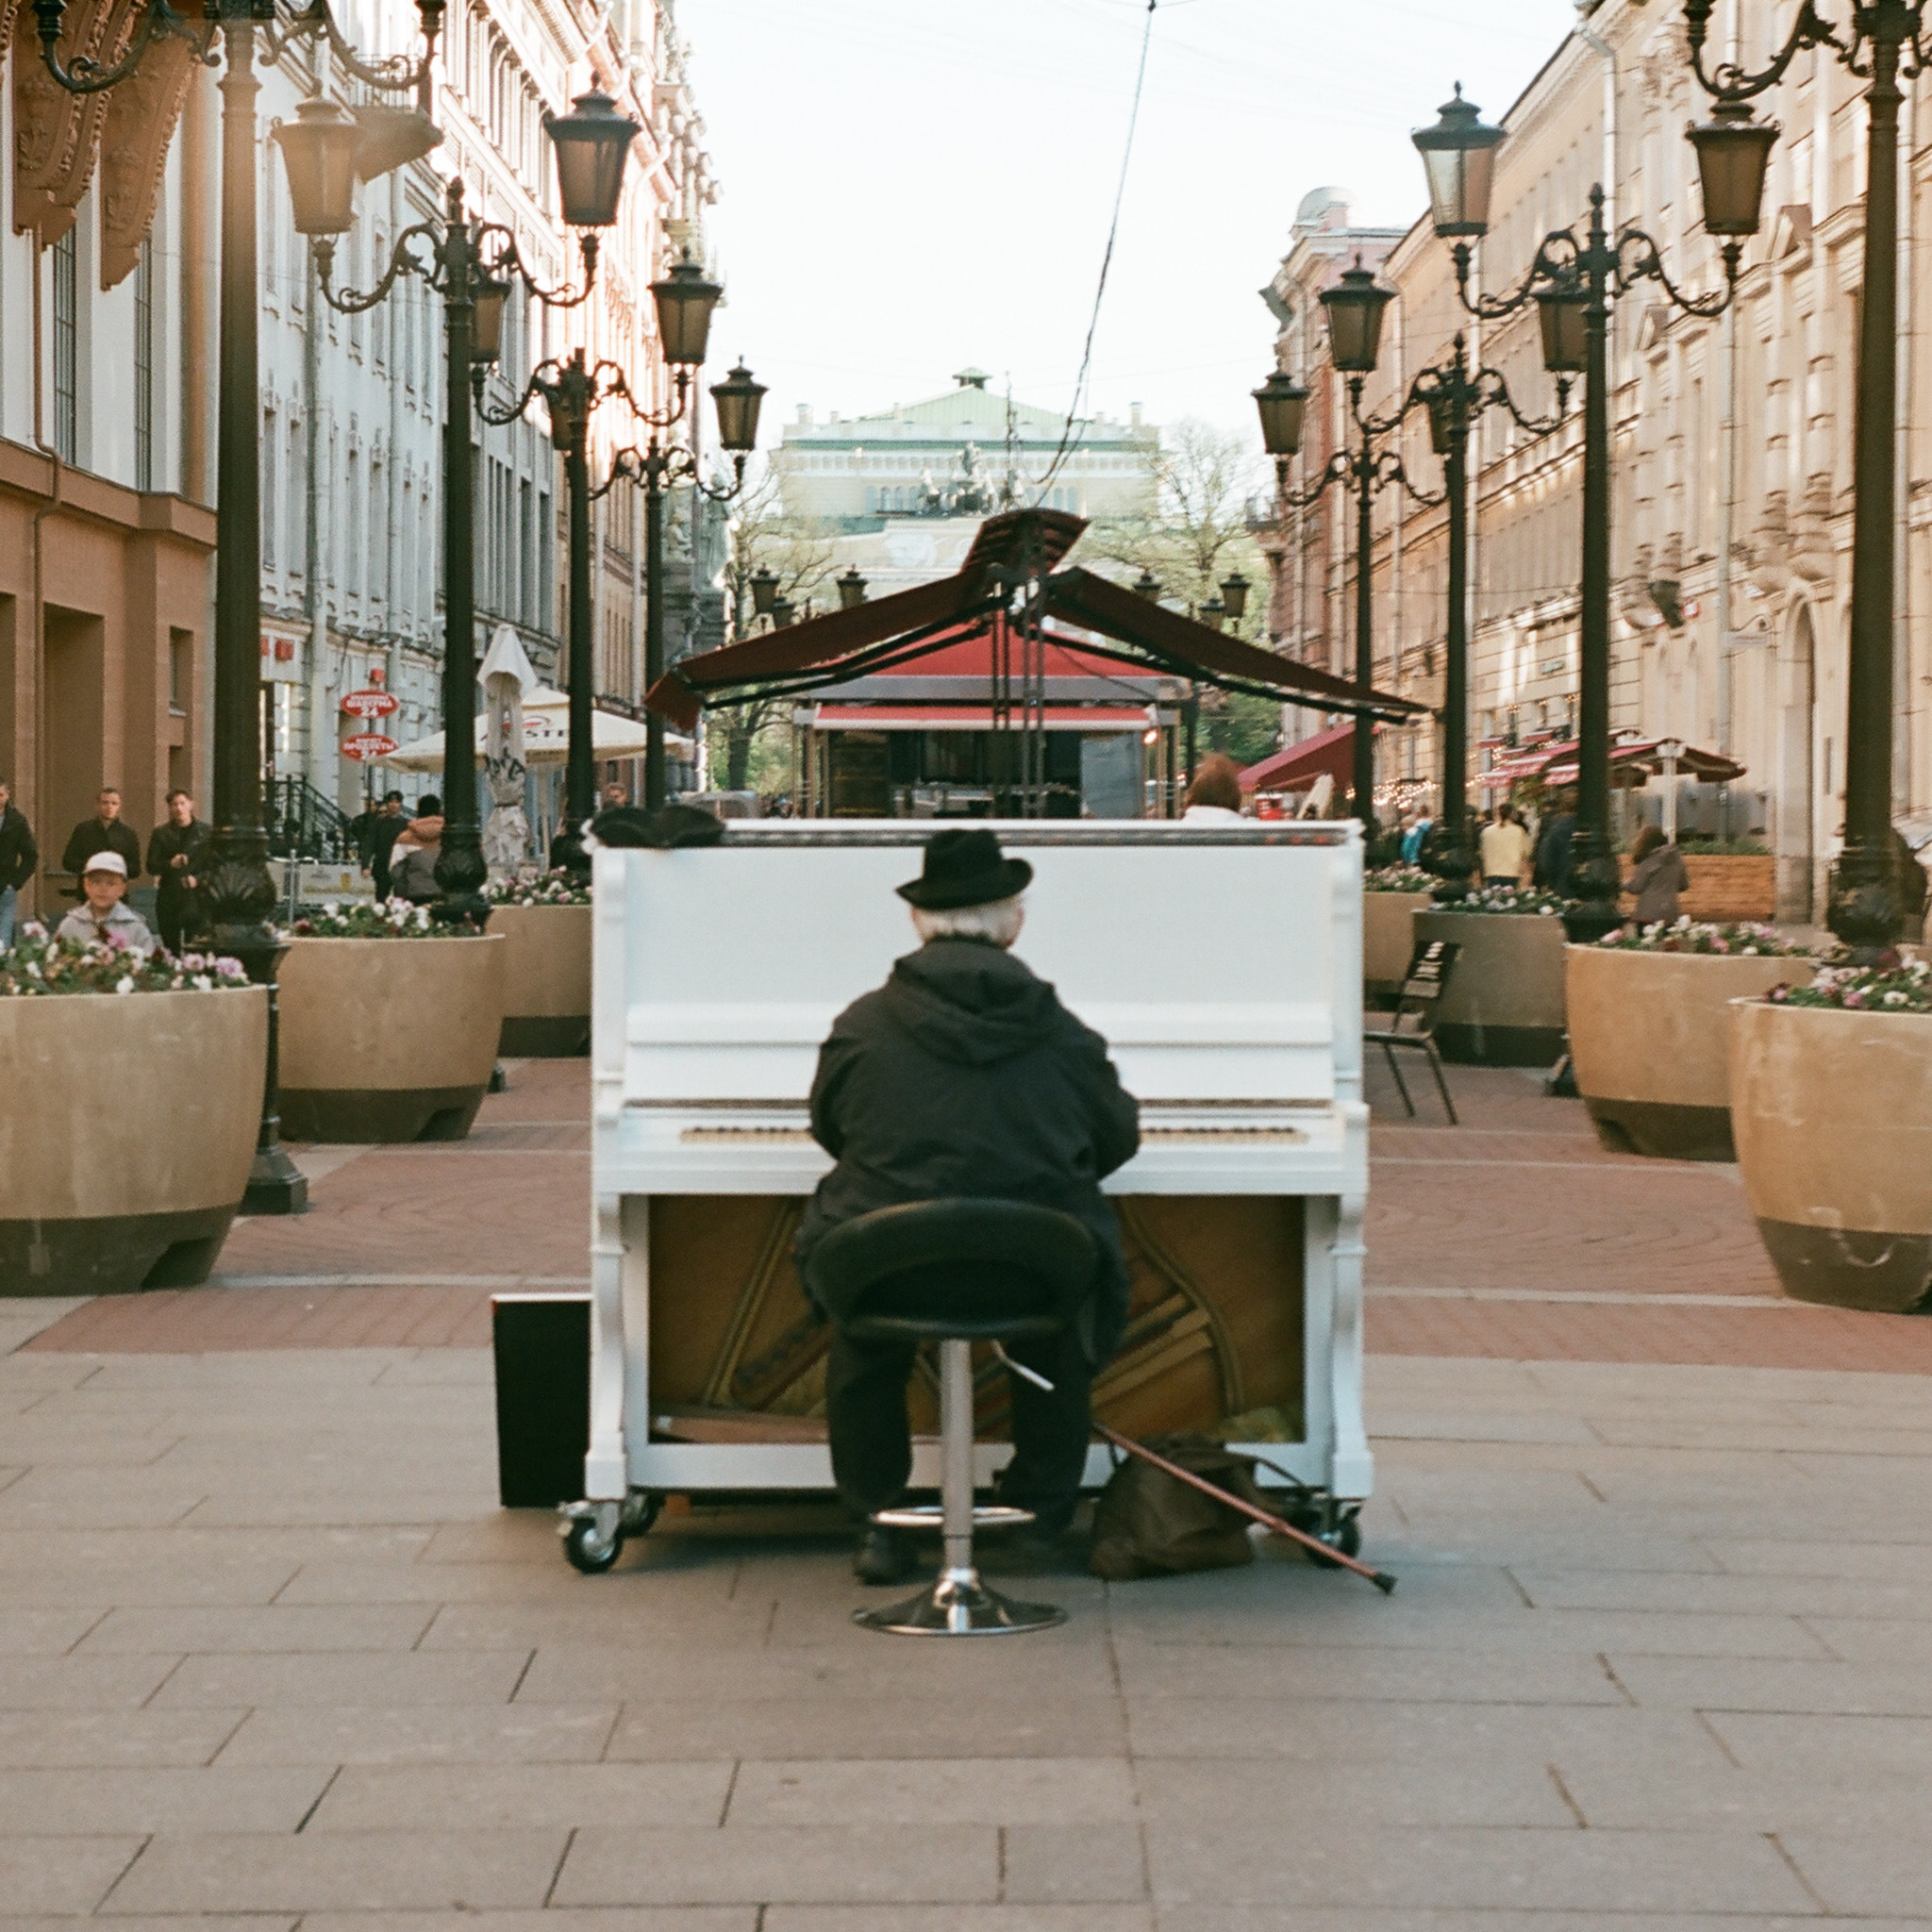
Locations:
column 964, row 1075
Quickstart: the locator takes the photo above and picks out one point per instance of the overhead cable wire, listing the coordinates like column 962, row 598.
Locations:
column 1068, row 439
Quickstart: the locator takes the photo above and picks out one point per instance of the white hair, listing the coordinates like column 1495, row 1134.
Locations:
column 1000, row 921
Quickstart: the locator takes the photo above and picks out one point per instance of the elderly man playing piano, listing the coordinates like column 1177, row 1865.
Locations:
column 965, row 1075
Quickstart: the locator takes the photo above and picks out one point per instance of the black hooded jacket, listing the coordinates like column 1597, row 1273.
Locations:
column 964, row 1075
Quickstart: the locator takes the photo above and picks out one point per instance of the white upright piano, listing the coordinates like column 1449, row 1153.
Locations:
column 1223, row 967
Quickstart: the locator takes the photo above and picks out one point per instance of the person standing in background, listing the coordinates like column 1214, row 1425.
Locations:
column 175, row 853
column 18, row 855
column 1506, row 848
column 376, row 841
column 104, row 832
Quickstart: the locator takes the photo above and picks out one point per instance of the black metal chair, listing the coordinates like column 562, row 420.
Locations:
column 1420, row 1000
column 956, row 1272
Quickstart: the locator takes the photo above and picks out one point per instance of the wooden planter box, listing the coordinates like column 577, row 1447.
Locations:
column 1505, row 1003
column 546, row 979
column 1727, row 885
column 1649, row 1034
column 127, row 1136
column 1832, row 1113
column 389, row 1040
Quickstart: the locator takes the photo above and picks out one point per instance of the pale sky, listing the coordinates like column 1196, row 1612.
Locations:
column 910, row 186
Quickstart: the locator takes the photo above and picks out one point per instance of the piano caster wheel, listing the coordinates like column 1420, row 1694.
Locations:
column 1347, row 1536
column 595, row 1539
column 592, row 1543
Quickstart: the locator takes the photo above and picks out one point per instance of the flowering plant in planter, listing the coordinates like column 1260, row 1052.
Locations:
column 1399, row 878
column 1511, row 899
column 393, row 919
column 559, row 887
column 38, row 963
column 1738, row 942
column 1905, row 988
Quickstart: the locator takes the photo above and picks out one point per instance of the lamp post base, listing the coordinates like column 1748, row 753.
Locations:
column 275, row 1184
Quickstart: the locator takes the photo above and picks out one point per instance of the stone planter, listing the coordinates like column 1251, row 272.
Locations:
column 388, row 1040
column 126, row 1136
column 1832, row 1113
column 546, row 979
column 1389, row 937
column 1649, row 1034
column 1505, row 1003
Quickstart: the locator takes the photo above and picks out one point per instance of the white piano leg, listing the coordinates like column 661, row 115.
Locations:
column 1351, row 1468
column 603, row 1467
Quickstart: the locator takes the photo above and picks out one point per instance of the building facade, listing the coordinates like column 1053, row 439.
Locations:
column 110, row 266
column 352, row 405
column 967, row 453
column 1732, row 439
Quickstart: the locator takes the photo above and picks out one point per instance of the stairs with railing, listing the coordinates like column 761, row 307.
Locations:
column 302, row 824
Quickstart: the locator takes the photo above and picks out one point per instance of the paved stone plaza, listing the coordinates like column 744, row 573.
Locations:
column 270, row 1656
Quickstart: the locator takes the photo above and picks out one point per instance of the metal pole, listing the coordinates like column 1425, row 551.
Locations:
column 1454, row 860
column 238, row 891
column 1363, row 772
column 459, row 868
column 653, row 622
column 580, row 779
column 1863, row 907
column 1593, row 874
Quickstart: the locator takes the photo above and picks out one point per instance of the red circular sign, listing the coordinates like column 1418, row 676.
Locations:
column 371, row 704
column 367, row 744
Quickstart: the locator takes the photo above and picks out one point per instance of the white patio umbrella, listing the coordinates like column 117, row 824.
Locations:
column 546, row 737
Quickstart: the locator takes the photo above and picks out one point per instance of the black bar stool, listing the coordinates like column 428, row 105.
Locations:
column 955, row 1273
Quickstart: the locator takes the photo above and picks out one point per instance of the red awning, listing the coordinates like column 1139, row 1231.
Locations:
column 1632, row 763
column 840, row 646
column 1111, row 718
column 1297, row 768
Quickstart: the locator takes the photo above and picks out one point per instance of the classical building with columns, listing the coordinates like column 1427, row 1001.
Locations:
column 1731, row 436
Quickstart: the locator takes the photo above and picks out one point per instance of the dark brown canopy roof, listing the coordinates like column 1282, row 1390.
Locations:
column 897, row 628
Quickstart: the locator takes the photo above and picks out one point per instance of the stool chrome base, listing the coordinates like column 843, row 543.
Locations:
column 959, row 1604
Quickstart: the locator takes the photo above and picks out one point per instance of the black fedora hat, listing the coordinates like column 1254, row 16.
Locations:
column 965, row 869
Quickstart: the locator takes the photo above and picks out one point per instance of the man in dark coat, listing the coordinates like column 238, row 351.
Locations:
column 965, row 1075
column 18, row 855
column 377, row 833
column 1551, row 864
column 177, row 851
column 104, row 832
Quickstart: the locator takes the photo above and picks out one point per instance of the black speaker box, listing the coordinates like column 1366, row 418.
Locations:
column 543, row 1344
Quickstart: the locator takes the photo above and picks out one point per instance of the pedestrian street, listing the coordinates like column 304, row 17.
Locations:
column 273, row 1657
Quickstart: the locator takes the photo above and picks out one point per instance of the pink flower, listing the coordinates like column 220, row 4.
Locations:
column 1854, row 998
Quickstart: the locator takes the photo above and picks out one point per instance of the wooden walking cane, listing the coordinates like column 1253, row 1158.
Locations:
column 1380, row 1579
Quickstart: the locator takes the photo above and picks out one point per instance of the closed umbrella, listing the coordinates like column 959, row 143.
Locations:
column 506, row 674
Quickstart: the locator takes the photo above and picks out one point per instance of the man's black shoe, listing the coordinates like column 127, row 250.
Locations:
column 885, row 1555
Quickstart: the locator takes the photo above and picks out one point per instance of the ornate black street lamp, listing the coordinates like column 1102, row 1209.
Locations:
column 1355, row 307
column 851, row 590
column 1456, row 396
column 569, row 392
column 685, row 300
column 1572, row 282
column 590, row 144
column 1233, row 596
column 238, row 895
column 1863, row 909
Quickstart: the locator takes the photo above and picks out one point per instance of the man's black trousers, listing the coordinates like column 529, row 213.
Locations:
column 871, row 1443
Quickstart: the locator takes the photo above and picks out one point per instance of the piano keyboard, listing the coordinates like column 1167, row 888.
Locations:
column 1236, row 1136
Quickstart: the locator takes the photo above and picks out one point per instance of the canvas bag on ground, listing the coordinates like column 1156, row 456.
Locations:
column 1150, row 1523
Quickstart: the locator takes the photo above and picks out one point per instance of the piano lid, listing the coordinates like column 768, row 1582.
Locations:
column 1220, row 965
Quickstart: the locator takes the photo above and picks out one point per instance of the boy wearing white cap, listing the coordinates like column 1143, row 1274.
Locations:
column 101, row 920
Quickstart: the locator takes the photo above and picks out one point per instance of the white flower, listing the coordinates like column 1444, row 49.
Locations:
column 1894, row 999
column 125, row 984
column 203, row 983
